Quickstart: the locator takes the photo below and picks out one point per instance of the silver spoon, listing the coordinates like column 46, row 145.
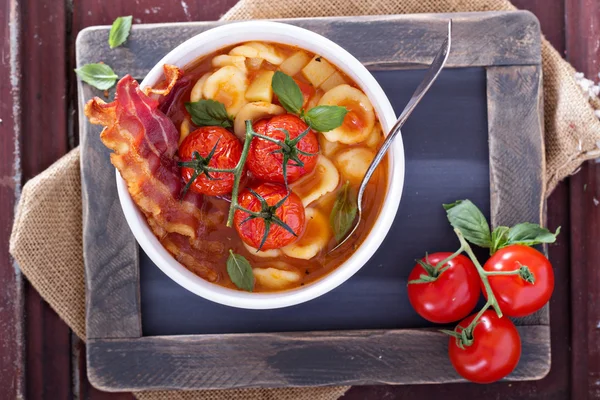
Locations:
column 432, row 73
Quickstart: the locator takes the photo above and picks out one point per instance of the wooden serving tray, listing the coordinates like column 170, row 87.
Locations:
column 477, row 135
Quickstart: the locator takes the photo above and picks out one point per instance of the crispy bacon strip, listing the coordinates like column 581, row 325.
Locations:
column 144, row 142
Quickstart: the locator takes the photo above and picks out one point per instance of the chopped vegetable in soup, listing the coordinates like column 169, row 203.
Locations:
column 246, row 163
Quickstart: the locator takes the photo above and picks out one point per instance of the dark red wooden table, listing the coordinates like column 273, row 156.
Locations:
column 39, row 356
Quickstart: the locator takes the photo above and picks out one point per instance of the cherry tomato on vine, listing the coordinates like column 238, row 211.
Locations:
column 516, row 296
column 493, row 352
column 282, row 207
column 451, row 296
column 227, row 152
column 265, row 158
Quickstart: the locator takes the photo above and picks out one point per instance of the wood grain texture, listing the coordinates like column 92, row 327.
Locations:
column 43, row 140
column 517, row 151
column 515, row 41
column 585, row 281
column 582, row 32
column 111, row 264
column 291, row 359
column 12, row 318
column 112, row 276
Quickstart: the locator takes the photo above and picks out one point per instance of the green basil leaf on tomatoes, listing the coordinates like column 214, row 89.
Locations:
column 325, row 118
column 530, row 234
column 499, row 238
column 343, row 212
column 467, row 218
column 209, row 113
column 288, row 92
column 99, row 75
column 119, row 31
column 240, row 271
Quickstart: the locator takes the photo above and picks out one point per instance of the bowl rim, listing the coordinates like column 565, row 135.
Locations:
column 239, row 32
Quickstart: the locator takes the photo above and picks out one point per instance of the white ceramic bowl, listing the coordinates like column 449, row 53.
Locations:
column 226, row 35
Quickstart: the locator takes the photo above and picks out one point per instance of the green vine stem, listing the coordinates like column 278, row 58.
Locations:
column 238, row 172
column 483, row 275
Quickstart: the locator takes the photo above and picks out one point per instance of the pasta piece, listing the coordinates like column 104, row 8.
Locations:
column 227, row 85
column 258, row 50
column 328, row 148
column 314, row 100
column 317, row 71
column 262, row 253
column 276, row 277
column 324, row 179
column 359, row 120
column 254, row 112
column 184, row 130
column 196, row 93
column 354, row 162
column 294, row 64
column 314, row 239
column 260, row 89
column 224, row 60
column 375, row 137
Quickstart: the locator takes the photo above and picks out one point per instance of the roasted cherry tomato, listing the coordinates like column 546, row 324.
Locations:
column 265, row 159
column 494, row 350
column 451, row 296
column 289, row 211
column 516, row 296
column 227, row 153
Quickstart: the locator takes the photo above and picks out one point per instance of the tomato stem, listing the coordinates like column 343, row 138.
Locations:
column 439, row 265
column 237, row 172
column 482, row 274
column 524, row 273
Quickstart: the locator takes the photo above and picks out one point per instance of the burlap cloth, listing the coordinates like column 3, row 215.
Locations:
column 46, row 239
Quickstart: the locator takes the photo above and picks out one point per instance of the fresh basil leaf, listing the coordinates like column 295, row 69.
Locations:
column 240, row 271
column 287, row 91
column 325, row 118
column 119, row 31
column 100, row 76
column 499, row 237
column 344, row 211
column 467, row 218
column 530, row 234
column 209, row 113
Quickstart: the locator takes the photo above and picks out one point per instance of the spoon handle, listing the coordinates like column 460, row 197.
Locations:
column 430, row 76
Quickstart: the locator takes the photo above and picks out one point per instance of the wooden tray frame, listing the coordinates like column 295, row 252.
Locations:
column 119, row 358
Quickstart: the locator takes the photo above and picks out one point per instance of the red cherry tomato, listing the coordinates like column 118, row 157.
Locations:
column 494, row 352
column 517, row 297
column 267, row 165
column 451, row 296
column 226, row 156
column 291, row 212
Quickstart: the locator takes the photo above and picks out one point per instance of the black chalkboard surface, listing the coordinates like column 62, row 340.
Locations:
column 446, row 148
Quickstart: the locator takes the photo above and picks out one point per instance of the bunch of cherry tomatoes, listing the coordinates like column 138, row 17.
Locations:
column 517, row 280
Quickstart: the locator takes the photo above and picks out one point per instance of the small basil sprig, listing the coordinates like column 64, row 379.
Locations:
column 119, row 31
column 209, row 113
column 466, row 217
column 99, row 75
column 240, row 271
column 320, row 118
column 343, row 212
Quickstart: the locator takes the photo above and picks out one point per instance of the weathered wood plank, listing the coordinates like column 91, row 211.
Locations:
column 516, row 43
column 112, row 275
column 291, row 359
column 11, row 296
column 517, row 151
column 43, row 137
column 582, row 31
